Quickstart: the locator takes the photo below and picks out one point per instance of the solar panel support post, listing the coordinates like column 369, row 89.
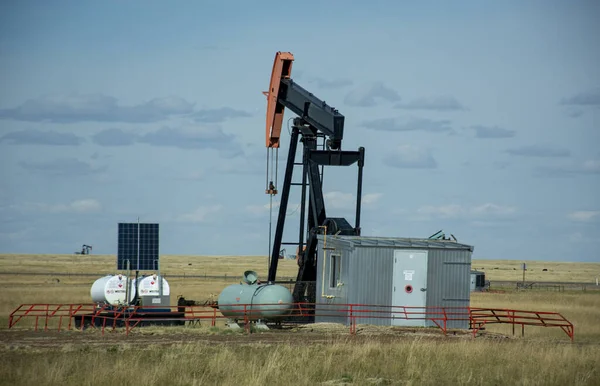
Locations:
column 160, row 278
column 127, row 283
column 137, row 266
column 138, row 244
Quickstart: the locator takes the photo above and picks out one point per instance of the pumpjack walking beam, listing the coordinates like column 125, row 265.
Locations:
column 315, row 119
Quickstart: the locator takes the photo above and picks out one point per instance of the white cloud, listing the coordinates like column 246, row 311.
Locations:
column 587, row 167
column 580, row 238
column 87, row 205
column 591, row 166
column 260, row 209
column 371, row 198
column 412, row 124
column 333, row 200
column 456, row 211
column 293, row 209
column 368, row 95
column 442, row 211
column 68, row 108
column 439, row 103
column 492, row 210
column 196, row 175
column 412, row 157
column 339, row 200
column 63, row 167
column 584, row 215
column 192, row 137
column 201, row 214
column 486, row 223
column 18, row 234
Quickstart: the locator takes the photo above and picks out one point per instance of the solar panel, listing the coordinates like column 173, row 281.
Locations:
column 128, row 246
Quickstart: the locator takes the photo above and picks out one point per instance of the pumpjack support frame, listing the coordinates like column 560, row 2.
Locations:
column 316, row 119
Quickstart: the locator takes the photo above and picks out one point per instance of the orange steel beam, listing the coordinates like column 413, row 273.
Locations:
column 282, row 69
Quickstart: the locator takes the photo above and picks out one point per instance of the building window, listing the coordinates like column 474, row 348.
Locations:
column 480, row 281
column 334, row 270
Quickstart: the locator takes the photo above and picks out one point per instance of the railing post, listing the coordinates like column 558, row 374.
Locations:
column 445, row 320
column 349, row 316
column 96, row 312
column 477, row 329
column 470, row 318
column 70, row 316
column 246, row 320
column 512, row 320
column 47, row 316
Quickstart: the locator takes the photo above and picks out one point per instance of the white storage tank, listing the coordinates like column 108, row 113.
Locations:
column 149, row 286
column 111, row 289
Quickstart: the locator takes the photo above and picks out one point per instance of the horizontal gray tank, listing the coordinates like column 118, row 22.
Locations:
column 263, row 301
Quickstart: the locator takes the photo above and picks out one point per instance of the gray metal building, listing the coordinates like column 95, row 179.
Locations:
column 477, row 281
column 392, row 272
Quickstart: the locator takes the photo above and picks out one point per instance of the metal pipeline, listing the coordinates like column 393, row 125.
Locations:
column 324, row 264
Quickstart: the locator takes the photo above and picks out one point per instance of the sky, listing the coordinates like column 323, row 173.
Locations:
column 478, row 118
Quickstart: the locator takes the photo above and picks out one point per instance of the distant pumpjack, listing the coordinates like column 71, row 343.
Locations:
column 85, row 250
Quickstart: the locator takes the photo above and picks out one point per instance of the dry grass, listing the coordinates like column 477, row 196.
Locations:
column 510, row 270
column 236, row 265
column 543, row 357
column 169, row 264
column 412, row 362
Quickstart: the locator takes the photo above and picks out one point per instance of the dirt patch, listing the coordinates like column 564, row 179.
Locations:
column 323, row 333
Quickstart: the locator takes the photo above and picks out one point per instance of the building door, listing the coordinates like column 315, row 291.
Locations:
column 409, row 287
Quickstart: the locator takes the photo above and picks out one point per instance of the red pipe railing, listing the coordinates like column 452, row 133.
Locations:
column 482, row 316
column 349, row 314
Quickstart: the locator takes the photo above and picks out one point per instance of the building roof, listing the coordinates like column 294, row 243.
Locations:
column 397, row 242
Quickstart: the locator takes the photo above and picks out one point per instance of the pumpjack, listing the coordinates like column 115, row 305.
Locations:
column 315, row 120
column 85, row 250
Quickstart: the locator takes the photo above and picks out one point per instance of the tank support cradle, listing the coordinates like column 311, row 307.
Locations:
column 258, row 325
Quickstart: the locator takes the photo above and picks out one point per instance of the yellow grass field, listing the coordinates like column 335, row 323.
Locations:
column 507, row 270
column 203, row 355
